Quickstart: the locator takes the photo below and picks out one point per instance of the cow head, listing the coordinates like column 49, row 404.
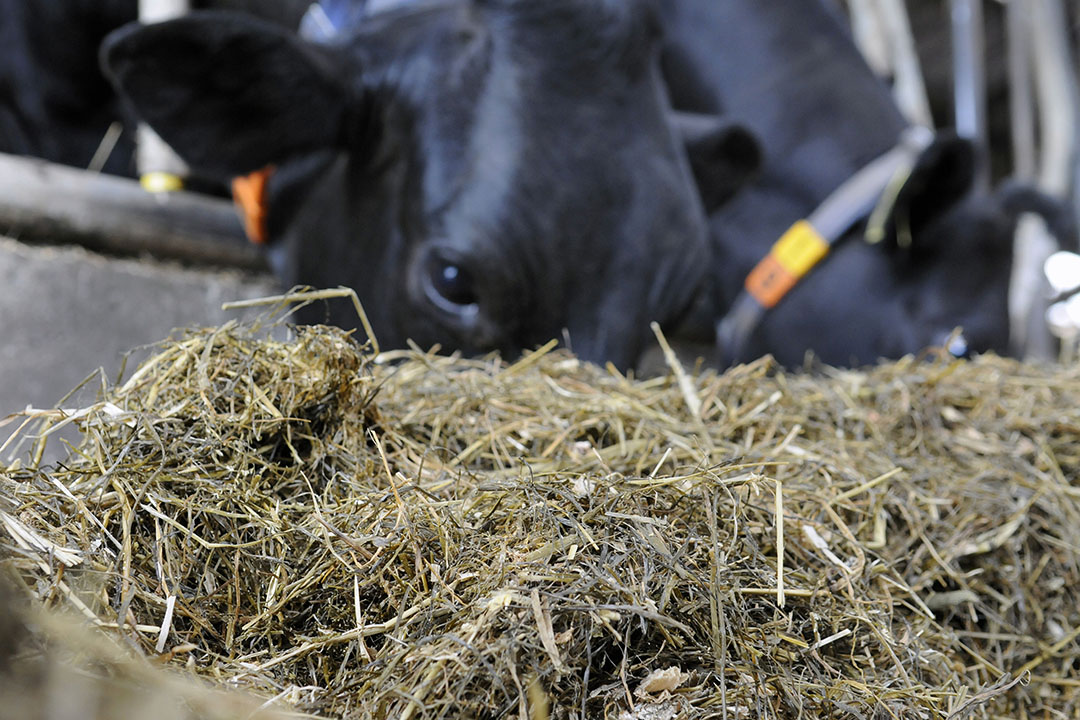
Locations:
column 486, row 175
column 951, row 248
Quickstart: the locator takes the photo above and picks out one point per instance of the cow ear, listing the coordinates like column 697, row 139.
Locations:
column 228, row 92
column 723, row 155
column 943, row 174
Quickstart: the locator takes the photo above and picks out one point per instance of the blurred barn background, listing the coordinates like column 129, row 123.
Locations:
column 1005, row 74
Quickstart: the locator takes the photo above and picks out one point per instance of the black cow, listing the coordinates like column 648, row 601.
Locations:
column 55, row 102
column 789, row 71
column 486, row 175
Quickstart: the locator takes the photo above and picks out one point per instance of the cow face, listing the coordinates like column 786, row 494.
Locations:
column 486, row 175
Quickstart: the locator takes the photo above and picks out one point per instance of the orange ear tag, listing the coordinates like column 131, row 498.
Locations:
column 793, row 255
column 249, row 194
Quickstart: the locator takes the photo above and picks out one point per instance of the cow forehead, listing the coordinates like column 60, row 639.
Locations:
column 495, row 130
column 556, row 33
column 470, row 94
column 471, row 145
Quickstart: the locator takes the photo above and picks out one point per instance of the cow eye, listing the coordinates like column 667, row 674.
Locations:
column 450, row 285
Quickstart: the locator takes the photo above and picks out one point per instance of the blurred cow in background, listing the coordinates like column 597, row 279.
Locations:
column 55, row 102
column 789, row 71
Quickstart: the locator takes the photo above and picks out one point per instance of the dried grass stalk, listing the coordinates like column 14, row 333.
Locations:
column 431, row 537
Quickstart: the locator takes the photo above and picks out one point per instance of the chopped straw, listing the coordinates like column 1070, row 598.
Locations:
column 423, row 536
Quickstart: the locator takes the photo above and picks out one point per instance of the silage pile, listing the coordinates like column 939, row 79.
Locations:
column 438, row 537
column 54, row 668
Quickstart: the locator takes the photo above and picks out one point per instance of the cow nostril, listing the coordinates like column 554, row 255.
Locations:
column 450, row 285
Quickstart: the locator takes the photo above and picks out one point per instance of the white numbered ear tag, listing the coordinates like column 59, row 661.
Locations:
column 1063, row 318
column 1062, row 270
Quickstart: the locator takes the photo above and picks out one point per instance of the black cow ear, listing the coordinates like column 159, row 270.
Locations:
column 943, row 174
column 724, row 155
column 228, row 92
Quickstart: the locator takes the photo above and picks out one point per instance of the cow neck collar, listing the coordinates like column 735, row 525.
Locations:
column 869, row 194
column 378, row 7
column 327, row 20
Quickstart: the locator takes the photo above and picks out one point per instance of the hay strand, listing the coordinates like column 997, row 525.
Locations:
column 426, row 536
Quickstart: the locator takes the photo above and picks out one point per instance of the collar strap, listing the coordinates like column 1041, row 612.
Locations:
column 872, row 190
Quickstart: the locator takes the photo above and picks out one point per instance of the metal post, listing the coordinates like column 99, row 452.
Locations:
column 882, row 32
column 160, row 169
column 969, row 75
column 1055, row 86
column 1021, row 95
column 870, row 36
column 909, row 87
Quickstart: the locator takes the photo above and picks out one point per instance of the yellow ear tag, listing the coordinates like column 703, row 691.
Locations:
column 158, row 182
column 793, row 255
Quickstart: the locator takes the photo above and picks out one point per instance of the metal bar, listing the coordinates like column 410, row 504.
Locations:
column 158, row 165
column 969, row 76
column 1021, row 95
column 908, row 85
column 46, row 202
column 870, row 36
column 1056, row 94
